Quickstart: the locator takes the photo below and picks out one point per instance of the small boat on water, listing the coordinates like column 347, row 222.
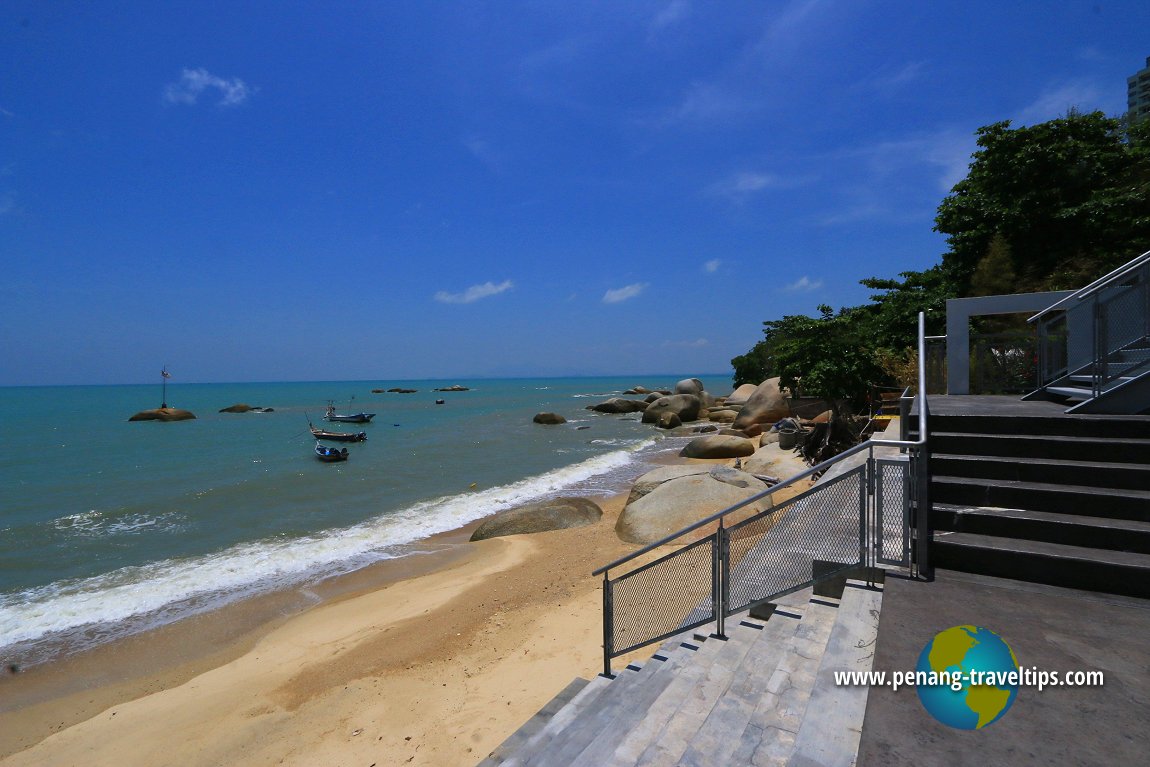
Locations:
column 331, row 415
column 330, row 454
column 338, row 436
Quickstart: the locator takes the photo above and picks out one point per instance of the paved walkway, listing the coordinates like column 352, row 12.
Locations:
column 1050, row 628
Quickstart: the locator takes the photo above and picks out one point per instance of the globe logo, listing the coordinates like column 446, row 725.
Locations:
column 964, row 677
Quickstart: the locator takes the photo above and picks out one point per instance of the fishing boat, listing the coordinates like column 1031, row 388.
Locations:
column 331, row 415
column 330, row 454
column 338, row 436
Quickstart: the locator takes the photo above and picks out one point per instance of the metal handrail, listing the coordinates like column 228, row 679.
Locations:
column 1098, row 284
column 922, row 412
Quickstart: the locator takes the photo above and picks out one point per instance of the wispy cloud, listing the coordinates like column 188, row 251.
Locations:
column 712, row 266
column 194, row 83
column 887, row 82
column 5, row 113
column 7, row 203
column 1059, row 99
column 741, row 185
column 946, row 152
column 622, row 294
column 706, row 102
column 474, row 293
column 803, row 284
column 741, row 86
column 672, row 13
column 482, row 150
column 698, row 343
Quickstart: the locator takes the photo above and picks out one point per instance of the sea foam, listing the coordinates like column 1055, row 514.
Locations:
column 130, row 599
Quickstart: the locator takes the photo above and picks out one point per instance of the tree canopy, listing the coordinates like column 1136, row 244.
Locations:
column 1068, row 199
column 1043, row 207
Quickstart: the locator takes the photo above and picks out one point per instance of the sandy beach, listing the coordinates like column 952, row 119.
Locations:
column 432, row 661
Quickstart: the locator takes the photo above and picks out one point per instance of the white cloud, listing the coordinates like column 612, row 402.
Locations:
column 474, row 293
column 712, row 266
column 804, row 285
column 622, row 294
column 698, row 343
column 193, row 83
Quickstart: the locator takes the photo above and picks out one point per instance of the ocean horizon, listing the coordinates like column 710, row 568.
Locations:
column 111, row 528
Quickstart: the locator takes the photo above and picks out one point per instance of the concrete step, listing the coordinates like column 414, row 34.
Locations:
column 1112, row 449
column 692, row 686
column 1086, row 472
column 769, row 737
column 717, row 738
column 1076, row 393
column 625, row 702
column 533, row 725
column 1087, row 425
column 832, row 726
column 538, row 739
column 538, row 742
column 1042, row 496
column 633, row 747
column 1069, row 529
column 1076, row 567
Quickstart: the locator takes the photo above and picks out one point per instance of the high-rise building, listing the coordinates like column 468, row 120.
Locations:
column 1138, row 93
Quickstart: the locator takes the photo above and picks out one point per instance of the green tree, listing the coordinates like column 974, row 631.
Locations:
column 827, row 356
column 994, row 275
column 1070, row 198
column 754, row 367
column 891, row 320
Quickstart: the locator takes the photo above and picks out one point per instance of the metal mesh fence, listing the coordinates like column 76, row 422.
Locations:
column 1051, row 348
column 1123, row 320
column 775, row 552
column 669, row 595
column 892, row 511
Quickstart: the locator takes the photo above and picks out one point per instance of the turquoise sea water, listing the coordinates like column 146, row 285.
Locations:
column 108, row 527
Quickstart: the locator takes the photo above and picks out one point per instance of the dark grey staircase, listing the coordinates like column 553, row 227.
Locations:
column 1049, row 498
column 1126, row 373
column 765, row 695
column 1094, row 344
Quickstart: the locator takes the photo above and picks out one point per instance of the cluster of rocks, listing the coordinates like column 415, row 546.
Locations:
column 456, row 387
column 671, row 498
column 395, row 390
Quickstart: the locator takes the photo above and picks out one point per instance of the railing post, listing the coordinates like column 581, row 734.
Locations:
column 608, row 626
column 1097, row 369
column 720, row 575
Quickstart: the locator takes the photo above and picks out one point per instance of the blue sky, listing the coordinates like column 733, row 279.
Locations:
column 308, row 191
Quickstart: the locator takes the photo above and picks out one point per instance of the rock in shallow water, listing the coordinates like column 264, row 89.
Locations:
column 164, row 414
column 551, row 514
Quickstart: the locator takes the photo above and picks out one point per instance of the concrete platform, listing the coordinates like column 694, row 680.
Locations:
column 1050, row 628
column 1012, row 406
